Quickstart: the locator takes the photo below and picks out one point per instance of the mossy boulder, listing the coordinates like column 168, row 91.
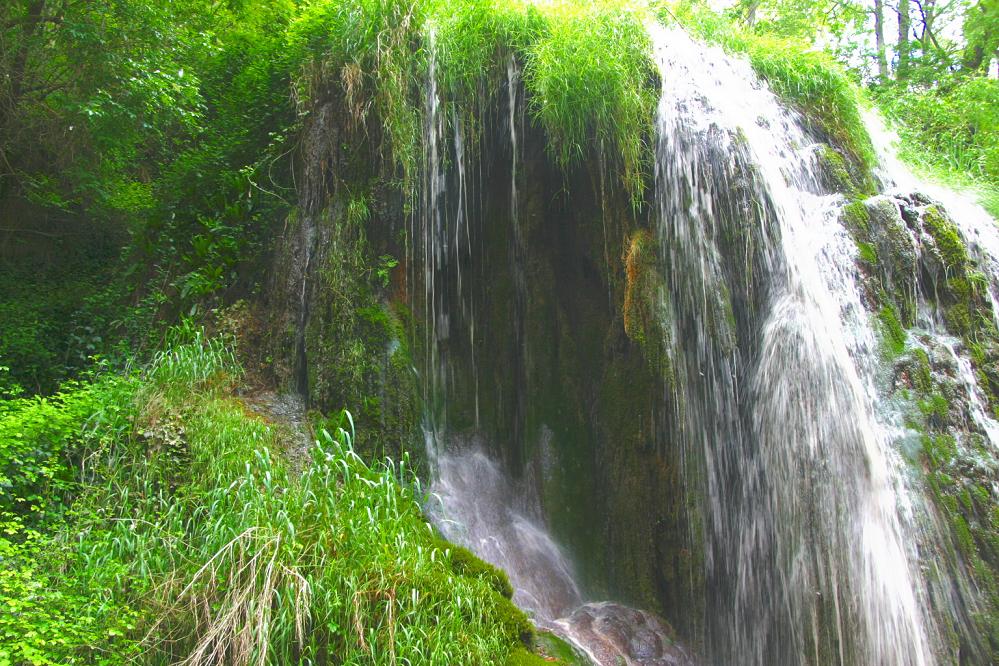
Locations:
column 842, row 174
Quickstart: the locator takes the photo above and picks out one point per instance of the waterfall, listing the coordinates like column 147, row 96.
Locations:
column 813, row 524
column 808, row 541
column 472, row 499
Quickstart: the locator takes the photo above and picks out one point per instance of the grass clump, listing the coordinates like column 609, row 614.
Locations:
column 587, row 78
column 368, row 48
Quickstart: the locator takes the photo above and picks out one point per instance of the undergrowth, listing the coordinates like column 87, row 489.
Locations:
column 185, row 537
column 951, row 133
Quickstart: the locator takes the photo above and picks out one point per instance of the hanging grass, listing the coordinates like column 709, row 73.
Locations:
column 588, row 80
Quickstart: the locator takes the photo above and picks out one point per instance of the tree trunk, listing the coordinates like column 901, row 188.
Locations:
column 904, row 26
column 879, row 37
column 982, row 45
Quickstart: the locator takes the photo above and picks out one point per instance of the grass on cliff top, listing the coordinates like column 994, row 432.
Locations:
column 587, row 71
column 187, row 539
column 586, row 67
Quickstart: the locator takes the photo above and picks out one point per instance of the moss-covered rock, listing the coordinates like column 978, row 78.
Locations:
column 645, row 309
column 839, row 174
column 892, row 332
column 465, row 563
column 888, row 257
column 961, row 473
column 515, row 623
column 524, row 657
column 946, row 238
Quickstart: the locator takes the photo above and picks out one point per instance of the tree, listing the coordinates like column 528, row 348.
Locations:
column 879, row 38
column 91, row 93
column 904, row 27
column 981, row 34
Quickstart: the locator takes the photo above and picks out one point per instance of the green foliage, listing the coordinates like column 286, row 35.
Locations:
column 41, row 439
column 88, row 89
column 951, row 130
column 190, row 537
column 587, row 78
column 57, row 313
column 368, row 46
column 48, row 620
column 190, row 360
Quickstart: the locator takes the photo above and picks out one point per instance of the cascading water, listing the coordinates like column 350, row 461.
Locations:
column 473, row 502
column 807, row 539
column 812, row 522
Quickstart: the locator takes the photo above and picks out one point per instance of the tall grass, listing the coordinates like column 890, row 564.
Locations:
column 370, row 48
column 229, row 558
column 588, row 79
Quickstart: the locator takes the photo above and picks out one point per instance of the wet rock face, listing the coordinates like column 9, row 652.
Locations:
column 945, row 370
column 616, row 635
column 333, row 336
column 895, row 247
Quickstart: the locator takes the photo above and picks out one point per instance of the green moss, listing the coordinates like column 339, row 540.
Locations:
column 465, row 563
column 524, row 657
column 921, row 374
column 939, row 450
column 959, row 319
column 969, row 512
column 856, row 218
column 935, row 409
column 643, row 310
column 550, row 645
column 513, row 622
column 853, row 182
column 867, row 253
column 946, row 237
column 892, row 332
